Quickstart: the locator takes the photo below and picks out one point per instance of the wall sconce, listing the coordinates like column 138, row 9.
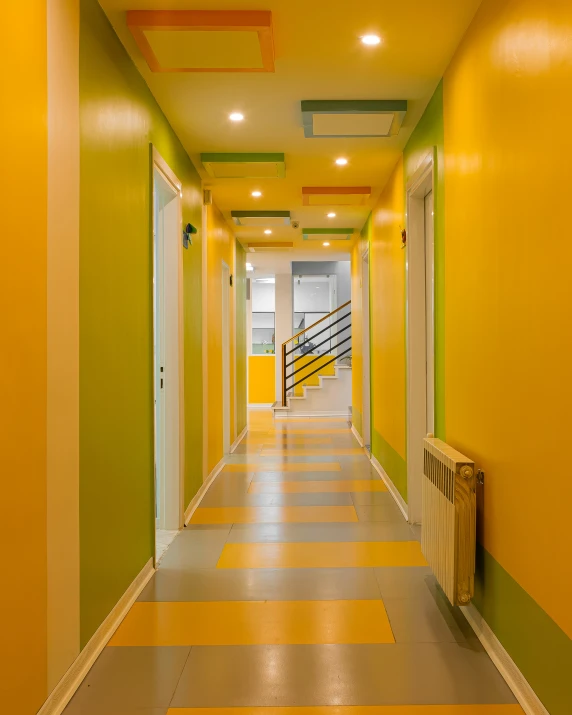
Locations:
column 187, row 232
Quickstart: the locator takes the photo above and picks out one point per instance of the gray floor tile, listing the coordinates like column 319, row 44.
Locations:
column 195, row 549
column 125, row 679
column 380, row 512
column 424, row 673
column 420, row 620
column 261, row 585
column 405, row 582
column 309, row 476
column 244, row 499
column 375, row 499
column 284, row 533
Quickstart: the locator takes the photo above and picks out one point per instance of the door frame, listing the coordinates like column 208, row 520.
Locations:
column 173, row 486
column 420, row 184
column 226, row 359
column 366, row 348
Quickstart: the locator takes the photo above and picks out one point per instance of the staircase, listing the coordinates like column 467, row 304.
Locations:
column 316, row 368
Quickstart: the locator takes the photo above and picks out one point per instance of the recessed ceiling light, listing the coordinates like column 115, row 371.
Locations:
column 268, row 231
column 256, row 194
column 341, row 161
column 326, row 243
column 236, row 117
column 331, row 215
column 371, row 39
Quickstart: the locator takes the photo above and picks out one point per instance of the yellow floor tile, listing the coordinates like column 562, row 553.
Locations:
column 295, row 452
column 310, row 431
column 338, row 485
column 322, row 555
column 226, row 623
column 286, row 440
column 511, row 709
column 273, row 514
column 284, row 467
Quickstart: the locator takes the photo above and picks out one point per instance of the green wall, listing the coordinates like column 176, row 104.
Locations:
column 428, row 136
column 241, row 387
column 118, row 120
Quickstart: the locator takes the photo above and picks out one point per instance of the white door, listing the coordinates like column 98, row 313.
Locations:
column 166, row 263
column 225, row 358
column 430, row 311
column 366, row 389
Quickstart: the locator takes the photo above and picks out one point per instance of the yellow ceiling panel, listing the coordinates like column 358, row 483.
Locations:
column 205, row 50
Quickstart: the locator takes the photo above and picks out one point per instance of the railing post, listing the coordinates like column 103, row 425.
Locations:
column 284, row 375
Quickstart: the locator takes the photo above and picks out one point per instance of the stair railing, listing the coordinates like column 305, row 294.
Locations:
column 306, row 347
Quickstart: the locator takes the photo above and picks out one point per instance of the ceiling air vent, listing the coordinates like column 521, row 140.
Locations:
column 352, row 118
column 327, row 234
column 261, row 218
column 204, row 40
column 244, row 166
column 335, row 195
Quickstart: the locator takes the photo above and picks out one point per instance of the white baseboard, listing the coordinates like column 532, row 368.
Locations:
column 505, row 664
column 72, row 679
column 254, row 406
column 238, row 440
column 196, row 500
column 307, row 415
column 358, row 436
column 391, row 486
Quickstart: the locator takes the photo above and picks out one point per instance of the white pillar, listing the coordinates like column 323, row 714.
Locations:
column 283, row 309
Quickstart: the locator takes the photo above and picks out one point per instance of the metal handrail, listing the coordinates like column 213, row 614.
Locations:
column 285, row 343
column 323, row 330
column 302, row 367
column 329, row 315
column 319, row 345
column 321, row 366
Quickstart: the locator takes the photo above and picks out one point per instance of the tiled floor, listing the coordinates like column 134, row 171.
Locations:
column 297, row 589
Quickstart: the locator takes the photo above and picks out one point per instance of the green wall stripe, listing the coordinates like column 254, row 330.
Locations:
column 540, row 649
column 117, row 521
column 394, row 465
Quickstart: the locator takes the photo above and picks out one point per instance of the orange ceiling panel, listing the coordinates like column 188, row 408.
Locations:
column 204, row 40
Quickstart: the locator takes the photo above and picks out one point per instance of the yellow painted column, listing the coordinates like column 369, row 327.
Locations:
column 63, row 617
column 23, row 112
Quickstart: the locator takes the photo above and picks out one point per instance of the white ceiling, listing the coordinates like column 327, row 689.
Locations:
column 318, row 56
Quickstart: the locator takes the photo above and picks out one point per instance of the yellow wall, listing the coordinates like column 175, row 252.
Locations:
column 23, row 108
column 508, row 143
column 262, row 378
column 387, row 268
column 220, row 247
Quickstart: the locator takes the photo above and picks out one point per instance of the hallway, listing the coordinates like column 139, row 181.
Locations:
column 297, row 584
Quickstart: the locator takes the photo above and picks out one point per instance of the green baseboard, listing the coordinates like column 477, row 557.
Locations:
column 537, row 645
column 393, row 464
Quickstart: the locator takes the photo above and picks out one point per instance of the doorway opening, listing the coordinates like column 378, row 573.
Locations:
column 420, row 327
column 167, row 354
column 366, row 385
column 225, row 358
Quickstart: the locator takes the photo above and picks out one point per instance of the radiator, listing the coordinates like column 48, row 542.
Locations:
column 448, row 526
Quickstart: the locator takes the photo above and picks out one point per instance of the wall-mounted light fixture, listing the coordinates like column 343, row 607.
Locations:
column 187, row 232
